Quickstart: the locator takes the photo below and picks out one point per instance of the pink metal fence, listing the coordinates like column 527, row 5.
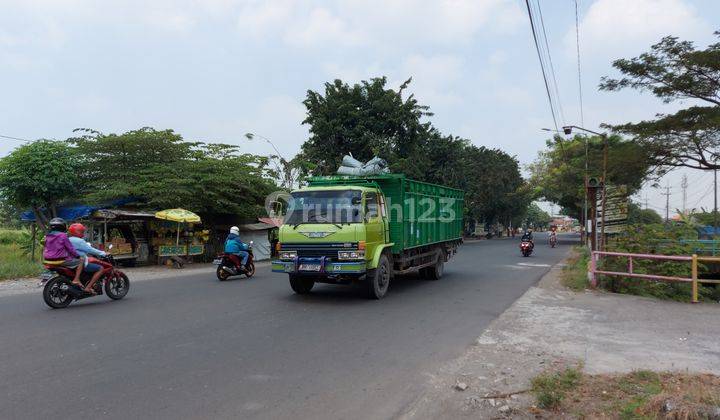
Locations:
column 596, row 255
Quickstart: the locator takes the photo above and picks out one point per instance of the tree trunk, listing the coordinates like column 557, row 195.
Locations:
column 40, row 218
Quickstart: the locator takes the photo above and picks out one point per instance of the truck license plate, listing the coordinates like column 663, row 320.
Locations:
column 309, row 267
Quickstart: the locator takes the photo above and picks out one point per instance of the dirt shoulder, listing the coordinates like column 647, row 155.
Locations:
column 551, row 327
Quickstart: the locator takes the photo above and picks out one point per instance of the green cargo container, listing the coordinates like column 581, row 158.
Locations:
column 420, row 213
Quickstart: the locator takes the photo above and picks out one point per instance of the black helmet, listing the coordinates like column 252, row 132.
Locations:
column 58, row 224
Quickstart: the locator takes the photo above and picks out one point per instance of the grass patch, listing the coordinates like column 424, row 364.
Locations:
column 574, row 274
column 14, row 260
column 550, row 388
column 641, row 394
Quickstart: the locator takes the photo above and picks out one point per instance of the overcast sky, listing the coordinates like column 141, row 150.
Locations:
column 213, row 70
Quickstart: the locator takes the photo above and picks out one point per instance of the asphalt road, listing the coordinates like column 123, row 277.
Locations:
column 192, row 347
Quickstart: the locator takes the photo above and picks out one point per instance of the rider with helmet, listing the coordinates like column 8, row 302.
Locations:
column 235, row 247
column 60, row 251
column 76, row 232
column 528, row 237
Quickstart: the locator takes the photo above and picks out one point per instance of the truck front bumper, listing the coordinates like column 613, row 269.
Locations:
column 327, row 267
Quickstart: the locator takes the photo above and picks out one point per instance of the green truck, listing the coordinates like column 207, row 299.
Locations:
column 367, row 229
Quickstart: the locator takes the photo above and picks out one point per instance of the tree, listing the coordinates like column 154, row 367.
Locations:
column 162, row 171
column 558, row 175
column 494, row 188
column 537, row 217
column 640, row 216
column 365, row 119
column 675, row 70
column 40, row 176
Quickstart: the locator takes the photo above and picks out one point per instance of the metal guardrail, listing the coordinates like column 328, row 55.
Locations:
column 693, row 260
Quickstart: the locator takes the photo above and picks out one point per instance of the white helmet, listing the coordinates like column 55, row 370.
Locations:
column 235, row 230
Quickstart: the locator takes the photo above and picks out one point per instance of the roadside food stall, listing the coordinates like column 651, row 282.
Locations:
column 126, row 230
column 177, row 236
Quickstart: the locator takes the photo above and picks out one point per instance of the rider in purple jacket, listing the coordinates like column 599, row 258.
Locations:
column 59, row 251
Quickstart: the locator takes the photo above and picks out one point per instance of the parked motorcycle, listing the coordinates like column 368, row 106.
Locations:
column 526, row 247
column 228, row 267
column 59, row 292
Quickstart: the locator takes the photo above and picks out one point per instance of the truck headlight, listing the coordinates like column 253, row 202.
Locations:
column 351, row 255
column 288, row 255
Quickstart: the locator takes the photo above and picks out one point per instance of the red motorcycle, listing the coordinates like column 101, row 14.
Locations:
column 59, row 292
column 230, row 265
column 526, row 247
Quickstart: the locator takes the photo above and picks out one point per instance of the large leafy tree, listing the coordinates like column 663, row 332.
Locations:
column 364, row 119
column 369, row 119
column 676, row 70
column 40, row 176
column 162, row 170
column 558, row 175
column 494, row 188
column 537, row 217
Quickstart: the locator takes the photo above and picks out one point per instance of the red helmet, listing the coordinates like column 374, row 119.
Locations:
column 77, row 229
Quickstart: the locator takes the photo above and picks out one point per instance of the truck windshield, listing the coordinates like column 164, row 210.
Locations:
column 328, row 206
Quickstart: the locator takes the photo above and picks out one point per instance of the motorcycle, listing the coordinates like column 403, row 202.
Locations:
column 526, row 247
column 227, row 267
column 59, row 292
column 553, row 241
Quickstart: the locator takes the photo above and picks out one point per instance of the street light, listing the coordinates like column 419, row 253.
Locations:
column 251, row 136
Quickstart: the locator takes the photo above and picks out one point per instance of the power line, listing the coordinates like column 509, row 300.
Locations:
column 577, row 44
column 15, row 138
column 552, row 68
column 542, row 66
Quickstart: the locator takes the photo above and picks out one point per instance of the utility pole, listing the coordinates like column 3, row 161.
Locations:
column 715, row 209
column 667, row 202
column 684, row 185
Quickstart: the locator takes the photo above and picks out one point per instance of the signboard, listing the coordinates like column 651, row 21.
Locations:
column 616, row 208
column 171, row 250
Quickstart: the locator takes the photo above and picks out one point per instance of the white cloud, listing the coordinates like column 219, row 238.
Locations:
column 434, row 78
column 322, row 27
column 617, row 28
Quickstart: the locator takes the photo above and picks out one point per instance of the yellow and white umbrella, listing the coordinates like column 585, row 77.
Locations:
column 179, row 216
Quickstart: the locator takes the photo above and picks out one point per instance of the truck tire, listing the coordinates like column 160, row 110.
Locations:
column 301, row 285
column 436, row 271
column 378, row 280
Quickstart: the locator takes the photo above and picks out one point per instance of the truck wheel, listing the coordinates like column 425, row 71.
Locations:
column 436, row 271
column 301, row 285
column 378, row 280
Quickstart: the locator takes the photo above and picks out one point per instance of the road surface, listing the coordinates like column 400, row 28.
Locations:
column 193, row 347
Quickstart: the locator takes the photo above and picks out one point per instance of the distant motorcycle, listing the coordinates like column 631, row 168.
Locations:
column 526, row 248
column 227, row 267
column 59, row 292
column 553, row 241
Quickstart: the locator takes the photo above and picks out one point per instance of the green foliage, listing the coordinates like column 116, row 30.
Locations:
column 364, row 119
column 675, row 70
column 15, row 259
column 368, row 119
column 537, row 217
column 164, row 171
column 575, row 273
column 654, row 239
column 40, row 175
column 558, row 175
column 706, row 218
column 550, row 388
column 639, row 216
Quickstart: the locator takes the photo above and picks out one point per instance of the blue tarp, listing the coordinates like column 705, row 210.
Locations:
column 707, row 231
column 76, row 212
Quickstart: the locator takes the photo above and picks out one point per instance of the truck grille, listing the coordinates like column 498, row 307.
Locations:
column 329, row 250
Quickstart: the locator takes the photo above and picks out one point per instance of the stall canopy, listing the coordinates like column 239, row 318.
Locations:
column 79, row 211
column 179, row 216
